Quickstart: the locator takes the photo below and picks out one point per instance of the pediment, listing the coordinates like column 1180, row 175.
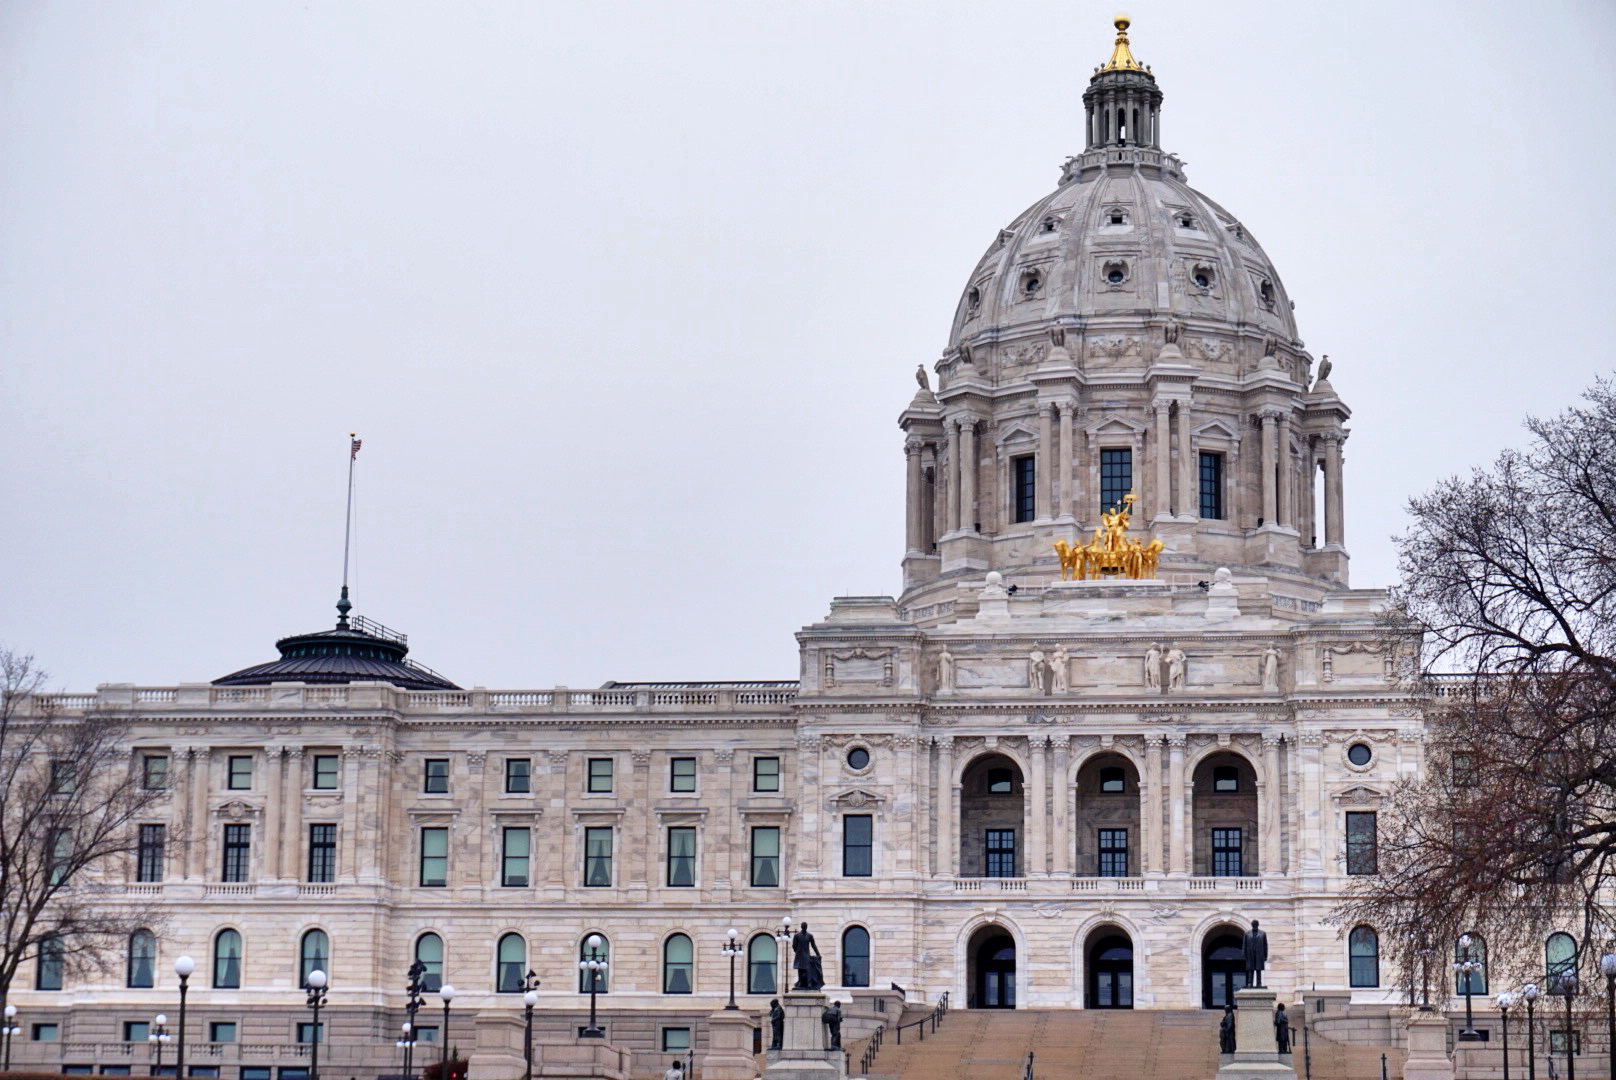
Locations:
column 237, row 809
column 1116, row 425
column 1218, row 429
column 856, row 799
column 1359, row 796
column 1015, row 433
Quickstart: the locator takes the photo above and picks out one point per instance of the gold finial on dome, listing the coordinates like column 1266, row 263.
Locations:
column 1122, row 56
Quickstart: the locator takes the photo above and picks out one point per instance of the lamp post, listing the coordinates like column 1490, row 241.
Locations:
column 412, row 1005
column 158, row 1037
column 1530, row 993
column 316, row 987
column 9, row 1031
column 1568, row 987
column 530, row 998
column 183, row 967
column 782, row 934
column 1466, row 968
column 594, row 966
column 1607, row 967
column 406, row 1045
column 1505, row 1000
column 732, row 949
column 447, row 993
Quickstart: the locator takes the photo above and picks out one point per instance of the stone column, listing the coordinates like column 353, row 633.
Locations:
column 1066, row 504
column 349, row 830
column 1063, row 804
column 1151, row 820
column 1310, row 842
column 1270, row 507
column 274, row 795
column 292, row 816
column 1162, row 498
column 969, row 467
column 1287, row 513
column 1306, row 525
column 1177, row 850
column 200, row 825
column 1272, row 806
column 1037, row 843
column 913, row 540
column 1189, row 486
column 1334, row 500
column 1044, row 471
column 954, row 475
column 946, row 848
column 641, row 792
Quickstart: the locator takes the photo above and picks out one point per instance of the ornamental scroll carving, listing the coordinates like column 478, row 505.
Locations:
column 859, row 666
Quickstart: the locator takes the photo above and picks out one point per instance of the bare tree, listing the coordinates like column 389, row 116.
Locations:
column 69, row 804
column 1511, row 831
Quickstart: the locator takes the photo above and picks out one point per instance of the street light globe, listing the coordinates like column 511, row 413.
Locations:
column 1464, row 941
column 734, row 934
column 447, row 993
column 160, row 1019
column 407, row 1027
column 1505, row 1000
column 595, row 941
column 1607, row 965
column 1530, row 992
column 11, row 1011
column 316, row 979
column 531, row 998
column 184, row 966
column 583, row 965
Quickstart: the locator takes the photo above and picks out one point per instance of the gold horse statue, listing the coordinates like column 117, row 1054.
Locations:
column 1112, row 553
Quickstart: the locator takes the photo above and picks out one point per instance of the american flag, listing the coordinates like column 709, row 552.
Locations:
column 354, row 450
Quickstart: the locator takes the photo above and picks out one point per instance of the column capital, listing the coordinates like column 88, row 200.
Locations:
column 913, row 445
column 1271, row 742
column 1154, row 740
column 1178, row 740
column 943, row 742
column 964, row 421
column 1269, row 414
column 1046, row 408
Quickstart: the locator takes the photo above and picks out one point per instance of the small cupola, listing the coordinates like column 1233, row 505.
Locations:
column 1122, row 102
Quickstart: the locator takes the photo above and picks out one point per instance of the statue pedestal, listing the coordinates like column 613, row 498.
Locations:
column 1428, row 1048
column 498, row 1053
column 804, row 1055
column 729, row 1046
column 1256, row 1055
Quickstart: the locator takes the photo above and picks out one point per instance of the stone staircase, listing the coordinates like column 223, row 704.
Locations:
column 1092, row 1044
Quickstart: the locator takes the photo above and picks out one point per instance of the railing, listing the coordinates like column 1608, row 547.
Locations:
column 232, row 889
column 1225, row 884
column 873, row 1047
column 933, row 1018
column 1108, row 884
column 1028, row 1074
column 1007, row 884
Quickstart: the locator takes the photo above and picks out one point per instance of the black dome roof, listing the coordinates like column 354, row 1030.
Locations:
column 358, row 650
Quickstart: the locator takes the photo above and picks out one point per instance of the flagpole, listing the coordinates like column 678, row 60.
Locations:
column 343, row 604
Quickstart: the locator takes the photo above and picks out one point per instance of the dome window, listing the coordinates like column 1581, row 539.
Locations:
column 1049, row 224
column 1115, row 272
column 1116, row 216
column 1032, row 282
column 973, row 301
column 1204, row 276
column 1186, row 221
column 1266, row 291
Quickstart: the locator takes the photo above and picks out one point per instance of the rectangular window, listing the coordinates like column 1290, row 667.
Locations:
column 209, row 1071
column 1361, row 843
column 518, row 776
column 682, row 856
column 292, row 1072
column 766, row 857
column 237, row 852
column 255, row 1072
column 435, row 779
column 222, row 1031
column 47, row 1033
column 1116, row 477
column 48, row 965
column 426, row 1033
column 598, row 857
column 149, row 853
column 64, row 778
column 61, row 859
column 154, row 772
column 434, row 857
column 1113, row 852
column 322, row 853
column 1001, row 853
column 858, row 843
column 766, row 774
column 116, row 1070
column 600, row 776
column 1557, row 1042
column 136, row 1030
column 1024, row 481
column 1226, row 853
column 682, row 774
column 518, row 848
column 675, row 1040
column 1464, row 771
column 238, row 774
column 325, row 772
column 308, row 1032
column 1211, row 486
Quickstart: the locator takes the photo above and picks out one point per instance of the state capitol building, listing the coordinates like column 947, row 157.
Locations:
column 1018, row 784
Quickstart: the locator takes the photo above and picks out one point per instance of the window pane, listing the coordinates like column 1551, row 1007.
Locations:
column 434, row 857
column 512, row 962
column 222, row 1031
column 325, row 772
column 1361, row 843
column 1478, row 960
column 436, row 777
column 1363, row 952
column 322, row 853
column 677, row 965
column 240, row 773
column 856, row 957
column 682, row 857
column 227, row 960
column 1226, row 779
column 766, row 774
column 1559, row 954
column 1001, row 853
column 154, row 772
column 1116, row 477
column 601, row 975
column 237, row 849
column 142, row 959
column 760, row 959
column 598, row 857
column 1024, row 503
column 316, row 954
column 518, row 846
column 429, row 950
column 675, row 1040
column 1212, row 486
column 149, row 855
column 858, row 840
column 1113, row 847
column 48, row 965
column 518, row 776
column 1226, row 853
column 600, row 775
column 682, row 774
column 766, row 857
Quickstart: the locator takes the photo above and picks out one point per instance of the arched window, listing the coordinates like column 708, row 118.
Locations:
column 855, row 956
column 761, row 977
column 601, row 952
column 1478, row 971
column 1363, row 957
column 429, row 950
column 512, row 957
column 1559, row 954
column 227, row 960
column 678, row 957
column 142, row 959
column 313, row 955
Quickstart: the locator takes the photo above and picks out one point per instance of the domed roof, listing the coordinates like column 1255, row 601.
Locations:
column 1123, row 236
column 358, row 650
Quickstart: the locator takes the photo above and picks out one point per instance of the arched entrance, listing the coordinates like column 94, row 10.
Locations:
column 1223, row 967
column 1110, row 970
column 993, row 969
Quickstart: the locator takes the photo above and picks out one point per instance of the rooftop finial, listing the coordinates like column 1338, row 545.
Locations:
column 1121, row 56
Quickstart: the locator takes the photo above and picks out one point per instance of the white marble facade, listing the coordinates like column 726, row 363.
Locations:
column 984, row 735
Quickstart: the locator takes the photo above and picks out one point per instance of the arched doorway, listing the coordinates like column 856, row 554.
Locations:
column 1223, row 967
column 993, row 969
column 1110, row 970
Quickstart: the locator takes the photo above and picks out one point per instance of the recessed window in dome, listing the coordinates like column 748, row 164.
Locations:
column 973, row 301
column 1031, row 282
column 1115, row 272
column 1117, row 216
column 1203, row 276
column 1050, row 224
column 1266, row 291
column 1186, row 221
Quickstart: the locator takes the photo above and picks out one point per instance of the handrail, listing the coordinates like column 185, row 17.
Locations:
column 873, row 1047
column 934, row 1018
column 1028, row 1075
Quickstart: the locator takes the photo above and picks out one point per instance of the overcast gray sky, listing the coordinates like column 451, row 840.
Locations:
column 624, row 298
